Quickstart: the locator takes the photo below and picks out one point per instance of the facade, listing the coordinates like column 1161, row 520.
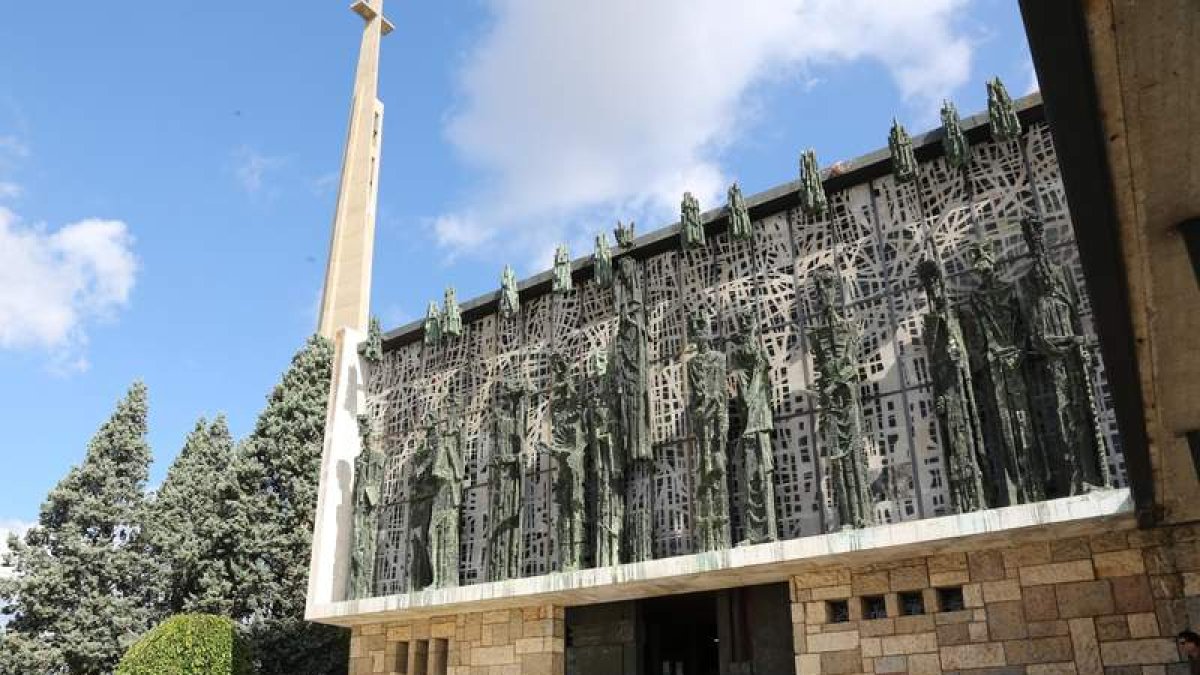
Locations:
column 857, row 423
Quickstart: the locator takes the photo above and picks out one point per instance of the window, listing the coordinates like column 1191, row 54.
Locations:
column 874, row 607
column 912, row 603
column 950, row 599
column 837, row 611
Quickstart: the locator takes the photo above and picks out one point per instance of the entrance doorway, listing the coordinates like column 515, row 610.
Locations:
column 740, row 631
column 681, row 635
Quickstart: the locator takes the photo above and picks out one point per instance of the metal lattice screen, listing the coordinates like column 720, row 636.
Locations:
column 874, row 235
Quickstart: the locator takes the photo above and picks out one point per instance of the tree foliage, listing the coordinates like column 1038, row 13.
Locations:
column 267, row 516
column 183, row 523
column 79, row 596
column 189, row 644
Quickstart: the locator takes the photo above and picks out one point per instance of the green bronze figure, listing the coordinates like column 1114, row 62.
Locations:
column 834, row 341
column 953, row 394
column 624, row 234
column 1060, row 369
column 954, row 142
column 630, row 376
column 605, row 461
column 1002, row 114
column 994, row 333
column 567, row 450
column 451, row 316
column 708, row 415
column 739, row 216
column 813, row 200
column 368, row 479
column 504, row 481
column 603, row 262
column 436, row 496
column 904, row 160
column 510, row 300
column 371, row 348
column 691, row 230
column 433, row 324
column 752, row 378
column 562, row 269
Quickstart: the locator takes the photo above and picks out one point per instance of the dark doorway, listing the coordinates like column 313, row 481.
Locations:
column 741, row 631
column 681, row 635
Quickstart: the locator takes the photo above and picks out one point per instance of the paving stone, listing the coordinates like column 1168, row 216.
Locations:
column 986, row 565
column 1006, row 621
column 891, row 664
column 953, row 634
column 1109, row 541
column 1048, row 628
column 841, row 662
column 1132, row 594
column 1143, row 625
column 869, row 583
column 1070, row 549
column 910, row 644
column 908, row 578
column 924, row 664
column 1041, row 604
column 1001, row 591
column 1114, row 627
column 1066, row 668
column 1085, row 647
column 1039, row 650
column 972, row 656
column 1057, row 573
column 832, row 642
column 946, row 562
column 1119, row 563
column 1085, row 598
column 1139, row 652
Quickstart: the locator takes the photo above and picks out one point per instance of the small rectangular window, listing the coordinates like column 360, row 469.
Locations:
column 874, row 607
column 912, row 603
column 838, row 611
column 950, row 599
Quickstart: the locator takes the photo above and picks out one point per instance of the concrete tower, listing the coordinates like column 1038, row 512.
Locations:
column 346, row 300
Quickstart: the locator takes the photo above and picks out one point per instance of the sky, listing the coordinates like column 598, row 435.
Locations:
column 168, row 174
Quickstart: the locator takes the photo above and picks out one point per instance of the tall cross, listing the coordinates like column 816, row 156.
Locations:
column 346, row 299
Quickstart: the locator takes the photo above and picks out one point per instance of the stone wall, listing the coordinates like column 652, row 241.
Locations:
column 526, row 641
column 1109, row 604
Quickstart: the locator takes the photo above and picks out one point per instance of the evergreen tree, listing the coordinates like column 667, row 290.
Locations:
column 183, row 523
column 79, row 595
column 267, row 517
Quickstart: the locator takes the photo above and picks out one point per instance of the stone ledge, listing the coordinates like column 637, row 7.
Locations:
column 763, row 563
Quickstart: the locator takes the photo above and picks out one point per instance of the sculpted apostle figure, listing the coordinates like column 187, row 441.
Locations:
column 1060, row 368
column 834, row 342
column 606, row 461
column 994, row 332
column 368, row 477
column 752, row 378
column 436, row 496
column 708, row 413
column 954, row 398
column 566, row 448
column 504, row 479
column 631, row 396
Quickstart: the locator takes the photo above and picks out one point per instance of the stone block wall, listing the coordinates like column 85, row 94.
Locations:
column 1108, row 604
column 524, row 641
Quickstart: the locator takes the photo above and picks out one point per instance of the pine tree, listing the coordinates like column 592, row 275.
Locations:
column 268, row 515
column 79, row 596
column 183, row 522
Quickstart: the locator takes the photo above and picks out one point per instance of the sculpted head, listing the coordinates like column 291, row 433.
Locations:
column 982, row 259
column 930, row 274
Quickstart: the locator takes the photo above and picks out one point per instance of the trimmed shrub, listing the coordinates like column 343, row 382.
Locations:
column 188, row 644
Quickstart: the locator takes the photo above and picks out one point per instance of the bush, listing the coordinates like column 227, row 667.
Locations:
column 188, row 644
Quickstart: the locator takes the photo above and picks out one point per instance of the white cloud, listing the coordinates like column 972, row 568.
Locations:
column 10, row 190
column 53, row 283
column 252, row 167
column 579, row 112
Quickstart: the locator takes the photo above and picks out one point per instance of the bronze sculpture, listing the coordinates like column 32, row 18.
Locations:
column 708, row 415
column 752, row 378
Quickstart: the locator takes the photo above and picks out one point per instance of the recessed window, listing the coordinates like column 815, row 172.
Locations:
column 950, row 599
column 912, row 603
column 838, row 611
column 874, row 607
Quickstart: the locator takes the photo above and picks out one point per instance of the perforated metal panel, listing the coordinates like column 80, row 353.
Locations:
column 873, row 236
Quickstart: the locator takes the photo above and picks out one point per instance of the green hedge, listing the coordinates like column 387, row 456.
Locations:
column 188, row 644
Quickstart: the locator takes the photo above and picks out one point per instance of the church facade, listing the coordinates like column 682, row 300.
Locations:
column 855, row 424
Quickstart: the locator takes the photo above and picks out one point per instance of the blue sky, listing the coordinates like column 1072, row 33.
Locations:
column 167, row 173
